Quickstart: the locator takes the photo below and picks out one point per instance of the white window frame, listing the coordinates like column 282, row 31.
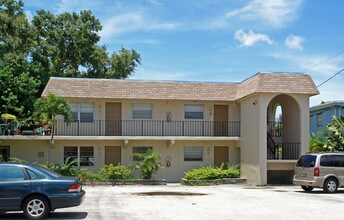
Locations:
column 198, row 151
column 78, row 155
column 142, row 111
column 193, row 109
column 80, row 108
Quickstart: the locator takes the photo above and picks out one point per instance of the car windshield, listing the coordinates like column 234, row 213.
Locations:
column 306, row 161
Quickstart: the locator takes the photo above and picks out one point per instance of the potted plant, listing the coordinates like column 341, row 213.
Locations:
column 279, row 152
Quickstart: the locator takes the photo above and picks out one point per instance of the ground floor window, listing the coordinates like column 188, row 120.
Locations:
column 193, row 153
column 5, row 152
column 140, row 150
column 84, row 154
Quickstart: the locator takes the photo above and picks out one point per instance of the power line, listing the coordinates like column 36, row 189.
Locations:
column 330, row 78
column 323, row 61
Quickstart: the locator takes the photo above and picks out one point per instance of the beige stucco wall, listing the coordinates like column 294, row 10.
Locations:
column 253, row 144
column 28, row 150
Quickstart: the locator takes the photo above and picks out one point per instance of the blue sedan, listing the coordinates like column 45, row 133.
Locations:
column 36, row 191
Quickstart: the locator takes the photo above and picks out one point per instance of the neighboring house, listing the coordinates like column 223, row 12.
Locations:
column 321, row 115
column 191, row 124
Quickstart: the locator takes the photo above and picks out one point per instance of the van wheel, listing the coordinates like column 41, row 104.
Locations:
column 307, row 188
column 330, row 185
column 36, row 207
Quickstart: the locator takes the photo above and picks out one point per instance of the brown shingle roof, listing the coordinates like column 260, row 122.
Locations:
column 162, row 90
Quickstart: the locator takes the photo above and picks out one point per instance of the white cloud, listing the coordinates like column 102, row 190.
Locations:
column 294, row 42
column 250, row 38
column 272, row 12
column 132, row 22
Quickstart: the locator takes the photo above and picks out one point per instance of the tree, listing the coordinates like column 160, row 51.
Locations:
column 48, row 108
column 16, row 33
column 331, row 139
column 67, row 46
column 18, row 91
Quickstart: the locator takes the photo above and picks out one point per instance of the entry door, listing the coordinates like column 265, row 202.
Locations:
column 220, row 156
column 112, row 155
column 113, row 119
column 5, row 152
column 220, row 120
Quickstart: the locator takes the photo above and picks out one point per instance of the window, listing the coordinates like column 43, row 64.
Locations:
column 193, row 153
column 319, row 120
column 82, row 112
column 193, row 111
column 140, row 150
column 85, row 155
column 11, row 173
column 339, row 161
column 142, row 111
column 32, row 174
column 327, row 160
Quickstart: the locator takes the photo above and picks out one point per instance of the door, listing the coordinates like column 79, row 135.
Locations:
column 113, row 119
column 220, row 156
column 220, row 120
column 14, row 186
column 112, row 155
column 5, row 152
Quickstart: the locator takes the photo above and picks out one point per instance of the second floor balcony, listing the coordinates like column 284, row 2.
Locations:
column 129, row 128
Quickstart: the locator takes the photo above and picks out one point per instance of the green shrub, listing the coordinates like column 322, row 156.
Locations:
column 67, row 169
column 211, row 172
column 112, row 172
column 149, row 163
column 1, row 158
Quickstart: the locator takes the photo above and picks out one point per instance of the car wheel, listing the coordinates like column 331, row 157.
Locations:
column 307, row 188
column 36, row 207
column 330, row 185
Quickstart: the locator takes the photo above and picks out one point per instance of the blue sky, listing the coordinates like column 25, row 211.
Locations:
column 219, row 40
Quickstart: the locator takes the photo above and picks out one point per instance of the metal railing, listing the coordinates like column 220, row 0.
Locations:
column 285, row 151
column 127, row 128
column 275, row 129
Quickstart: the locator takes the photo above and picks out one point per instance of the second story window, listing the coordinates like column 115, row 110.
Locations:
column 193, row 111
column 142, row 111
column 319, row 120
column 82, row 112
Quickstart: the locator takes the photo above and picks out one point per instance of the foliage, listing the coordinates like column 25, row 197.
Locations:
column 149, row 163
column 17, row 160
column 66, row 44
column 211, row 172
column 66, row 169
column 331, row 139
column 48, row 108
column 112, row 172
column 16, row 33
column 1, row 158
column 18, row 90
column 7, row 116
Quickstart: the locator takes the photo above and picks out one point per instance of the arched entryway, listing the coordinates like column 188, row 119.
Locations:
column 283, row 138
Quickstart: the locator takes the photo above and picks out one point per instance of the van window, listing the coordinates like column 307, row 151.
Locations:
column 327, row 160
column 306, row 161
column 339, row 161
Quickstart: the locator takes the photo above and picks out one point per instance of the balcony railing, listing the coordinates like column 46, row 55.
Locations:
column 275, row 129
column 131, row 128
column 285, row 151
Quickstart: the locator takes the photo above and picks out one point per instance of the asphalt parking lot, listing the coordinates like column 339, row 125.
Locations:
column 174, row 201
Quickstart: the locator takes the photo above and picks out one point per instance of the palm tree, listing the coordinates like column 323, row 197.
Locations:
column 47, row 108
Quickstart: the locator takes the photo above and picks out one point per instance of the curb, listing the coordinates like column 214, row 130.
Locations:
column 213, row 182
column 125, row 182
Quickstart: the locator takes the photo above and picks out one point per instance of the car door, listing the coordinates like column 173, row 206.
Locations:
column 14, row 186
column 339, row 168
